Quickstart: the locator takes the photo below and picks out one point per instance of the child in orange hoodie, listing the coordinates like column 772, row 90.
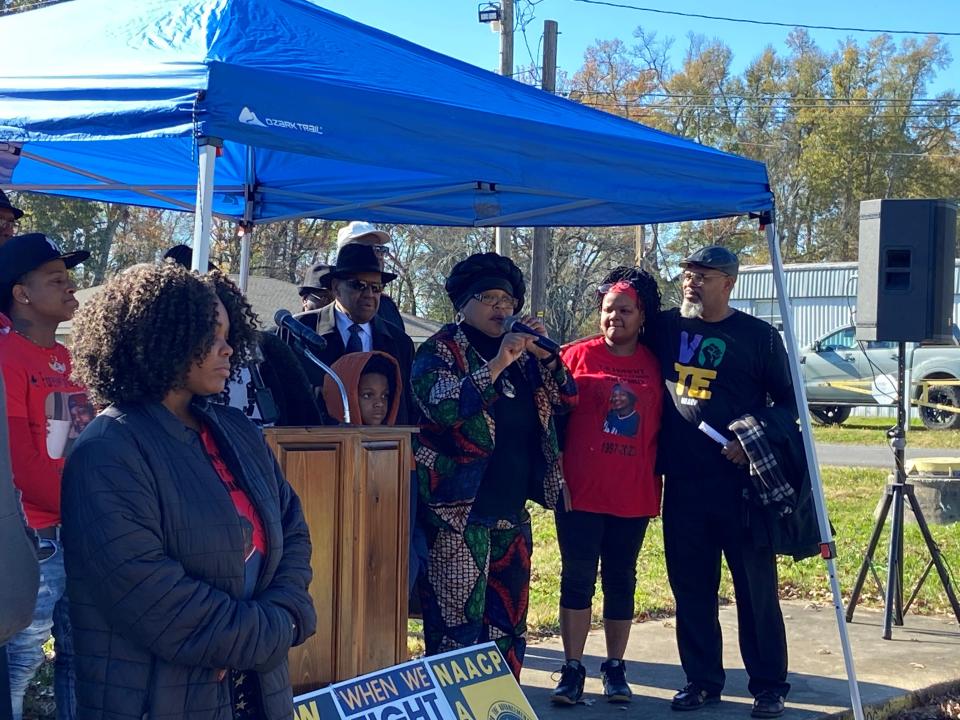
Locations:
column 373, row 385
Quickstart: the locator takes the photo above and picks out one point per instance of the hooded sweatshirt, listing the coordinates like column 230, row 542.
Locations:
column 349, row 368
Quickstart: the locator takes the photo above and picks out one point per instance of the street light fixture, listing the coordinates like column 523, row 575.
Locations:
column 488, row 12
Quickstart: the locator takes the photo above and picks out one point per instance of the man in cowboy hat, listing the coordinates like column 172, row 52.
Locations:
column 351, row 323
column 364, row 233
column 9, row 218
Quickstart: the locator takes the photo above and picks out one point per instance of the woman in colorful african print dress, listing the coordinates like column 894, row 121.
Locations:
column 488, row 444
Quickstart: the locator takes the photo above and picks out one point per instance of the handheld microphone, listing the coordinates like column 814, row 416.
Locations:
column 512, row 323
column 285, row 319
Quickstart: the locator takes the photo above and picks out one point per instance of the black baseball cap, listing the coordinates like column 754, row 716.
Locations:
column 716, row 258
column 183, row 255
column 23, row 253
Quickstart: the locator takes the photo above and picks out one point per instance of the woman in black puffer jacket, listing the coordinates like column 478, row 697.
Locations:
column 189, row 558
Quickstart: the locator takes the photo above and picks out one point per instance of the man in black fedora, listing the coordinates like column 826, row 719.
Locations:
column 350, row 323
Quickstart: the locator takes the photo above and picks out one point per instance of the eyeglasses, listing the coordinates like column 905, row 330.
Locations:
column 361, row 287
column 607, row 287
column 9, row 225
column 496, row 300
column 325, row 300
column 381, row 250
column 695, row 278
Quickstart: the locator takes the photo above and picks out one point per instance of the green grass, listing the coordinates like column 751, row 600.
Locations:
column 873, row 431
column 852, row 495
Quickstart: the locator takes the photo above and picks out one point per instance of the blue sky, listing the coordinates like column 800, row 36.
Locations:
column 451, row 26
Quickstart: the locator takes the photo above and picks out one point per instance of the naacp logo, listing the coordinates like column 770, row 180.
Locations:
column 249, row 117
column 506, row 711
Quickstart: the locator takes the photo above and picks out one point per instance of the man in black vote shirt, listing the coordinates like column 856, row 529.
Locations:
column 718, row 364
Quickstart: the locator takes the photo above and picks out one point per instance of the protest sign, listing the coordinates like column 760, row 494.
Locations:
column 470, row 684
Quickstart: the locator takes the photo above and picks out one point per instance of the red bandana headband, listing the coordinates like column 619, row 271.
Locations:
column 622, row 286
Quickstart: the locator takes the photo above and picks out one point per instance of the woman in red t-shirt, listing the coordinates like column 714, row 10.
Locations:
column 608, row 465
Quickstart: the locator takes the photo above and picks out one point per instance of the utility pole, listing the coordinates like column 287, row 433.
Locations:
column 506, row 38
column 541, row 235
column 503, row 235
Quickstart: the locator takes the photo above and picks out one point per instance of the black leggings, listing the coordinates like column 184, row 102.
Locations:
column 587, row 539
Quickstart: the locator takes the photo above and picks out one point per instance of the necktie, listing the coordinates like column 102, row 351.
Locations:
column 354, row 344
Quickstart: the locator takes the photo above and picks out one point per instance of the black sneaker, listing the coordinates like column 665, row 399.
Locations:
column 693, row 697
column 570, row 688
column 615, row 688
column 767, row 704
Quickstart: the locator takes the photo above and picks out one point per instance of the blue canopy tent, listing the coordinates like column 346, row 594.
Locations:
column 305, row 113
column 320, row 116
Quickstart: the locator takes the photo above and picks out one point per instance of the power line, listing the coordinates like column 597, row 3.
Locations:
column 884, row 113
column 526, row 15
column 770, row 98
column 783, row 111
column 849, row 151
column 765, row 22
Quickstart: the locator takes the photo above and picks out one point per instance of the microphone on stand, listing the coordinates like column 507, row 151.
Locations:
column 311, row 343
column 285, row 319
column 512, row 323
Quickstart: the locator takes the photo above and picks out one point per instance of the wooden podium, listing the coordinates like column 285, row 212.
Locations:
column 354, row 484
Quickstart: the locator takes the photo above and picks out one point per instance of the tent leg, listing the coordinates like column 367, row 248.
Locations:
column 246, row 239
column 246, row 227
column 203, row 214
column 503, row 240
column 827, row 547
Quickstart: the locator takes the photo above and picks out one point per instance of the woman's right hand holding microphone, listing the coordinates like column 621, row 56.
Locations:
column 511, row 347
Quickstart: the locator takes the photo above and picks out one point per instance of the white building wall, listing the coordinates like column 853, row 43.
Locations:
column 824, row 296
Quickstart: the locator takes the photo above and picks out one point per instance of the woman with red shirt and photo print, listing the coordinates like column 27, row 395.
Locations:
column 608, row 465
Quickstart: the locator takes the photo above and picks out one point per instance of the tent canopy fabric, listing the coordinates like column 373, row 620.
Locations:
column 321, row 116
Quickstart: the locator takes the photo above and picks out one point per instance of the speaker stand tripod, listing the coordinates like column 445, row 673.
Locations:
column 897, row 492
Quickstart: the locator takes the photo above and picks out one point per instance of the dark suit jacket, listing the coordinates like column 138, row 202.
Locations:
column 283, row 374
column 387, row 338
column 390, row 312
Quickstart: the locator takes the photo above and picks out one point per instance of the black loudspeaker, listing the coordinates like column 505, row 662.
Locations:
column 905, row 280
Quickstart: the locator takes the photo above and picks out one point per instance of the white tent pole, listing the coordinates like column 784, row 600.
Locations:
column 245, row 240
column 246, row 227
column 203, row 214
column 827, row 546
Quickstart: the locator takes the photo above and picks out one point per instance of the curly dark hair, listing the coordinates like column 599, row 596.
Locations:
column 136, row 339
column 643, row 282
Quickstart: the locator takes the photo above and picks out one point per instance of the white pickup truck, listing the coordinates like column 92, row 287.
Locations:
column 841, row 373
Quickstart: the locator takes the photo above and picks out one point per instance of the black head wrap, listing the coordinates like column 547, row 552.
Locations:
column 484, row 271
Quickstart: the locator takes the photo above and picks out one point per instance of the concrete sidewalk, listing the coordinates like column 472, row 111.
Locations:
column 925, row 651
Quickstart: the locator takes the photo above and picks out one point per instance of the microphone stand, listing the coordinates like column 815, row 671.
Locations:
column 303, row 348
column 336, row 378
